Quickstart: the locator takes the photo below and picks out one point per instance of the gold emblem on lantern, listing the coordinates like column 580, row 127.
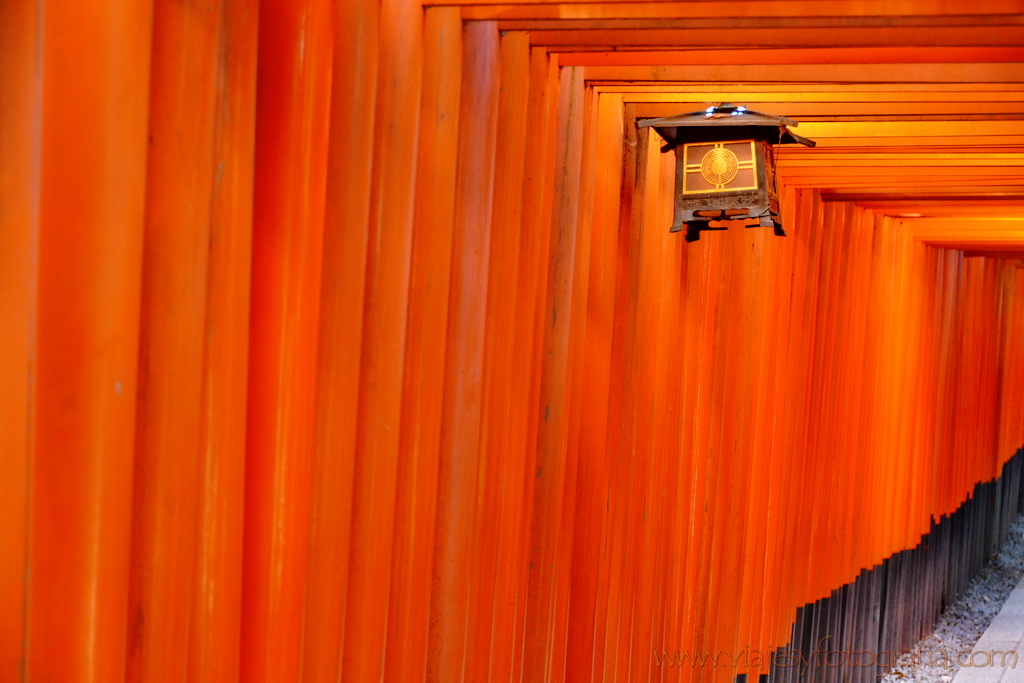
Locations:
column 719, row 166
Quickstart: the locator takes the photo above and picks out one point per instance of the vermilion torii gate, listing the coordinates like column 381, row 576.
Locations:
column 347, row 340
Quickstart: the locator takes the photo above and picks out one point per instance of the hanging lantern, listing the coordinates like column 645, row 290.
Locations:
column 725, row 166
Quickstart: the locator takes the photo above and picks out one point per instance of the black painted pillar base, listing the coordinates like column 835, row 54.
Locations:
column 854, row 634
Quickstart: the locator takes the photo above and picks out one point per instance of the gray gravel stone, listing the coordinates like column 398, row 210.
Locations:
column 963, row 623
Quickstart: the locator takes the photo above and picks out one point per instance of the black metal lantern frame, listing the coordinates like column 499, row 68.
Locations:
column 725, row 166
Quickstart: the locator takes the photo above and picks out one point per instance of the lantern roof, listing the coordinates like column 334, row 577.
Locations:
column 725, row 121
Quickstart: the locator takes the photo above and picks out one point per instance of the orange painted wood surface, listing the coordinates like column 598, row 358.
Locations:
column 389, row 237
column 174, row 287
column 347, row 340
column 292, row 112
column 429, row 279
column 92, row 160
column 453, row 585
column 346, row 234
column 214, row 643
column 20, row 109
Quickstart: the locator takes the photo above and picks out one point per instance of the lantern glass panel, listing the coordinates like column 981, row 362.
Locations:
column 719, row 167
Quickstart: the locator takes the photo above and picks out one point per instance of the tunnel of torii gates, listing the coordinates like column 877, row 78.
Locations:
column 348, row 340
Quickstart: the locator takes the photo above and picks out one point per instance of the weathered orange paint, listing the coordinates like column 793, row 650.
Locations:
column 292, row 113
column 386, row 305
column 459, row 457
column 92, row 168
column 429, row 277
column 489, row 648
column 554, row 467
column 179, row 180
column 214, row 643
column 343, row 288
column 20, row 109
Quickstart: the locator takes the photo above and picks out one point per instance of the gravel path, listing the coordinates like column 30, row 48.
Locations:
column 963, row 623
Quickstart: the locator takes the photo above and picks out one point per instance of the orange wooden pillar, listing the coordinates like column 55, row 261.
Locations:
column 346, row 226
column 583, row 190
column 459, row 454
column 500, row 479
column 389, row 241
column 1011, row 418
column 292, row 113
column 652, row 343
column 1012, row 406
column 532, row 285
column 95, row 91
column 544, row 645
column 426, row 333
column 587, row 608
column 20, row 112
column 180, row 187
column 215, row 612
column 758, row 360
column 772, row 614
